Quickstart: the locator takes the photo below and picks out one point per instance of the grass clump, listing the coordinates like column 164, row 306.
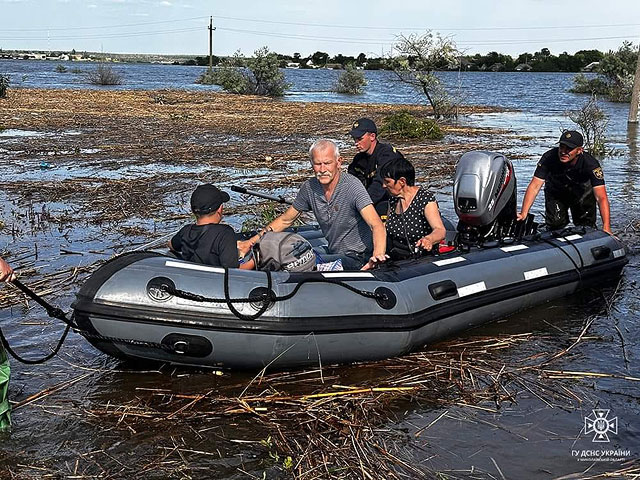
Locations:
column 404, row 124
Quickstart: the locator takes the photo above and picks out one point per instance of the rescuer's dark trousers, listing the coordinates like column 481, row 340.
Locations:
column 557, row 206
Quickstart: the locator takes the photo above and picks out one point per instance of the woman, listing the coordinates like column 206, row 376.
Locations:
column 413, row 222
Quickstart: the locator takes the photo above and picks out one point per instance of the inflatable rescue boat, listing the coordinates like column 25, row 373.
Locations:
column 150, row 306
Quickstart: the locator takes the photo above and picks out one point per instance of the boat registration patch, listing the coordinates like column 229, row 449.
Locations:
column 537, row 273
column 192, row 266
column 471, row 289
column 449, row 261
column 618, row 253
column 513, row 248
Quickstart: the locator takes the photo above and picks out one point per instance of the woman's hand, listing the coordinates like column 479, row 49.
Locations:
column 425, row 242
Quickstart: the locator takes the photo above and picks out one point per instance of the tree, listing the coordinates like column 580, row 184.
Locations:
column 418, row 57
column 319, row 58
column 361, row 59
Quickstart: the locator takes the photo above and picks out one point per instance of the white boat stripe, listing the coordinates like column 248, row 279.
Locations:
column 561, row 239
column 574, row 237
column 346, row 274
column 193, row 266
column 513, row 248
column 537, row 273
column 470, row 289
column 449, row 261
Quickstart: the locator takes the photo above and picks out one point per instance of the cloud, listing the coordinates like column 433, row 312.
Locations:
column 165, row 3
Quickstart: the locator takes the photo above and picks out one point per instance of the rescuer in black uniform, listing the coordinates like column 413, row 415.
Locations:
column 574, row 181
column 371, row 155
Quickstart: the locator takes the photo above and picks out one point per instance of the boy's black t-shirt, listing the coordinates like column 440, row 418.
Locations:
column 212, row 244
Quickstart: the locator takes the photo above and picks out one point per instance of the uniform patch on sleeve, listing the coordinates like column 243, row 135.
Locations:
column 598, row 173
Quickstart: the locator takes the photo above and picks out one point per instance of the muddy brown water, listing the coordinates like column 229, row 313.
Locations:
column 87, row 421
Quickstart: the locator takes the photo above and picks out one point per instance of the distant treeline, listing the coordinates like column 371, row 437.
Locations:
column 542, row 61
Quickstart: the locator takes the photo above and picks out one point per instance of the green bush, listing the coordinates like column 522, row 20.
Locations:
column 351, row 81
column 259, row 75
column 4, row 85
column 404, row 124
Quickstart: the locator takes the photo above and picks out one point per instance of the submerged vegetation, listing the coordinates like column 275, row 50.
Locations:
column 258, row 75
column 104, row 75
column 616, row 71
column 350, row 81
column 593, row 122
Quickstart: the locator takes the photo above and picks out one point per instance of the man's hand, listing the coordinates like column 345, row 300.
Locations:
column 375, row 260
column 521, row 216
column 244, row 247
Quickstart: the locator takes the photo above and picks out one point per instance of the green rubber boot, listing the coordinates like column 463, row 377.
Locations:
column 5, row 408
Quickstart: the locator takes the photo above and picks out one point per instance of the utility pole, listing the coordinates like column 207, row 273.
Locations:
column 635, row 95
column 211, row 29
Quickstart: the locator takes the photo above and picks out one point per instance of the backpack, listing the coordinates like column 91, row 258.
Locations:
column 284, row 251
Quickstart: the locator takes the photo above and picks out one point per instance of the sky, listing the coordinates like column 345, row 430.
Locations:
column 306, row 26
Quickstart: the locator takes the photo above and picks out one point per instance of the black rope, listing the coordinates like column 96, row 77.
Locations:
column 267, row 298
column 575, row 265
column 27, row 361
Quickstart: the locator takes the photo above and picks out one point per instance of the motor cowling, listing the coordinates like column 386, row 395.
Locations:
column 484, row 194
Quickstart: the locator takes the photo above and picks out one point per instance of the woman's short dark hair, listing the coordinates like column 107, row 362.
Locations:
column 398, row 168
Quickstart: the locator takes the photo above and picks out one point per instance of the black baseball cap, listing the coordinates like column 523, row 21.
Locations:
column 571, row 139
column 362, row 126
column 207, row 198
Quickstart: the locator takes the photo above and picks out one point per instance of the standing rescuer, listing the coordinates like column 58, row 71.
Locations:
column 6, row 275
column 573, row 181
column 371, row 156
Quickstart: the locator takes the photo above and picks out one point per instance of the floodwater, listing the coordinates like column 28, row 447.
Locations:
column 62, row 434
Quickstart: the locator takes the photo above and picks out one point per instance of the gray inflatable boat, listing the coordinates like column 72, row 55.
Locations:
column 148, row 306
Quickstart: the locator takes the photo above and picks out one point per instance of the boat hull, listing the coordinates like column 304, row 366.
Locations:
column 328, row 318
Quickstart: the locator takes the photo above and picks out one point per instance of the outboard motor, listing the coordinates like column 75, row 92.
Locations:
column 484, row 196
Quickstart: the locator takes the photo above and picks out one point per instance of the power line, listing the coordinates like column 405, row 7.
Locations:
column 104, row 35
column 123, row 25
column 422, row 28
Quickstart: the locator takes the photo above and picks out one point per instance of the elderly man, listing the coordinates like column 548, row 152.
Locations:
column 574, row 181
column 342, row 207
column 372, row 155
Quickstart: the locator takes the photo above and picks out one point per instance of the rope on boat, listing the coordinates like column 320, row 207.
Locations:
column 267, row 298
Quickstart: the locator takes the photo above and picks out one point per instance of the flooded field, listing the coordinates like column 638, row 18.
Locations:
column 87, row 175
